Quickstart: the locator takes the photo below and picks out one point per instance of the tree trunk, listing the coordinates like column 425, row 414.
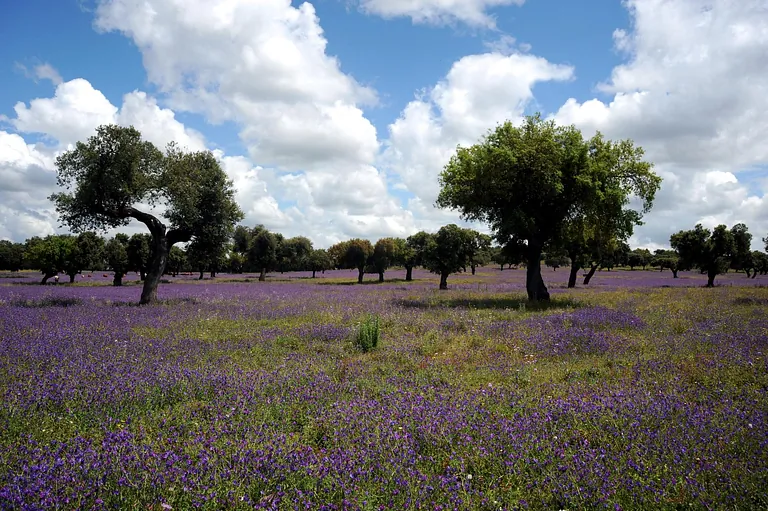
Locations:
column 473, row 269
column 591, row 273
column 72, row 278
column 202, row 272
column 263, row 275
column 748, row 272
column 118, row 280
column 46, row 276
column 444, row 280
column 142, row 275
column 754, row 274
column 213, row 274
column 160, row 249
column 674, row 273
column 408, row 273
column 534, row 283
column 360, row 273
column 313, row 273
column 711, row 278
column 381, row 276
column 574, row 275
column 502, row 266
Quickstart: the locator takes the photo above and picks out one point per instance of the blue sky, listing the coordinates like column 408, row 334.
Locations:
column 298, row 138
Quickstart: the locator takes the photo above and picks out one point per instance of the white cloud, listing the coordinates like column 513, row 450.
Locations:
column 479, row 92
column 693, row 94
column 438, row 12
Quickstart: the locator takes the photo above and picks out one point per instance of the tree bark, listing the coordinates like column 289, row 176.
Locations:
column 444, row 280
column 711, row 278
column 473, row 269
column 46, row 276
column 72, row 278
column 591, row 273
column 263, row 275
column 674, row 273
column 748, row 272
column 313, row 273
column 213, row 274
column 502, row 266
column 381, row 276
column 202, row 272
column 754, row 274
column 534, row 283
column 573, row 275
column 360, row 273
column 118, row 280
column 142, row 275
column 408, row 273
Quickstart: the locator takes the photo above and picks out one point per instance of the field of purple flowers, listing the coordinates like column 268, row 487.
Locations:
column 639, row 392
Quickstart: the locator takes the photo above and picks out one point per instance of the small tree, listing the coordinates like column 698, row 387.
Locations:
column 742, row 253
column 358, row 252
column 11, row 255
column 478, row 244
column 111, row 174
column 384, row 255
column 116, row 256
column 262, row 254
column 412, row 254
column 337, row 253
column 319, row 260
column 448, row 252
column 139, row 255
column 708, row 251
column 50, row 255
column 177, row 260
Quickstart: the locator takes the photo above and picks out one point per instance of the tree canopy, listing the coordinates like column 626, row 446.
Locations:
column 115, row 176
column 708, row 250
column 528, row 182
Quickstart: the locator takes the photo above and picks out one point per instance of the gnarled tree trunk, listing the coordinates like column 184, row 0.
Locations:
column 575, row 267
column 444, row 280
column 534, row 283
column 591, row 274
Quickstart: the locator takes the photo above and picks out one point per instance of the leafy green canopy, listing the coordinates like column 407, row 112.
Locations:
column 529, row 182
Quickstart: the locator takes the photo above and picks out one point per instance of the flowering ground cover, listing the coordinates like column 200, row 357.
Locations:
column 640, row 392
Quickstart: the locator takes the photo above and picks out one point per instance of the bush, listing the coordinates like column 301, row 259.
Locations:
column 368, row 334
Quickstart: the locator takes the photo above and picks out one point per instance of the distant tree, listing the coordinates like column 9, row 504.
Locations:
column 116, row 256
column 448, row 252
column 759, row 263
column 319, row 260
column 177, row 260
column 478, row 246
column 122, row 238
column 294, row 254
column 708, row 251
column 49, row 254
column 527, row 181
column 556, row 259
column 414, row 251
column 262, row 253
column 208, row 252
column 241, row 239
column 108, row 176
column 357, row 256
column 384, row 255
column 337, row 252
column 11, row 255
column 139, row 254
column 742, row 253
column 237, row 262
column 85, row 252
column 666, row 259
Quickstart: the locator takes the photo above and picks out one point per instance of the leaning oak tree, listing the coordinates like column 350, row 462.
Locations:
column 528, row 181
column 114, row 172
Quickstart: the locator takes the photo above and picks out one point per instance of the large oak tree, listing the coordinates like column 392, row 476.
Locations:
column 528, row 182
column 110, row 176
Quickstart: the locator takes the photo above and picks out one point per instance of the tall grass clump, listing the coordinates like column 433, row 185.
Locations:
column 368, row 334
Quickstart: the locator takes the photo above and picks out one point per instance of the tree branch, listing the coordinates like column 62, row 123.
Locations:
column 178, row 236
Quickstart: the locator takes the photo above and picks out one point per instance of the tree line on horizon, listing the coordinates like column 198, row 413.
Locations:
column 547, row 194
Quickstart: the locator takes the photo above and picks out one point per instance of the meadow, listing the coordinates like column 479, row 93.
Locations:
column 638, row 392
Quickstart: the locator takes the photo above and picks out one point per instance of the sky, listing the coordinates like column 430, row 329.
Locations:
column 334, row 118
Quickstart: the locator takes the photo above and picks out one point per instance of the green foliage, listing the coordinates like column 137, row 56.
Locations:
column 358, row 252
column 708, row 251
column 116, row 257
column 368, row 334
column 319, row 260
column 742, row 247
column 139, row 253
column 448, row 252
column 114, row 171
column 531, row 182
column 262, row 253
column 51, row 254
column 384, row 255
column 177, row 261
column 11, row 255
column 294, row 253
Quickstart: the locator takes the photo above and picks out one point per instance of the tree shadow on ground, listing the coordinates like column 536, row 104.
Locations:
column 511, row 302
column 365, row 282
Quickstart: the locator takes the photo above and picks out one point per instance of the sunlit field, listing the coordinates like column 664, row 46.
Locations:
column 639, row 391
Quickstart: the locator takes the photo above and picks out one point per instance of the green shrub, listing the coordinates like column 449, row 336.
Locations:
column 368, row 334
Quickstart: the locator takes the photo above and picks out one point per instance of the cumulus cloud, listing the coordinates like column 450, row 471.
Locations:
column 438, row 12
column 478, row 92
column 693, row 94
